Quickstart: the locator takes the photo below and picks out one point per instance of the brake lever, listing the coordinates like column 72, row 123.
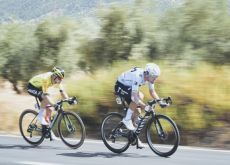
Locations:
column 168, row 100
column 75, row 102
column 74, row 99
column 152, row 102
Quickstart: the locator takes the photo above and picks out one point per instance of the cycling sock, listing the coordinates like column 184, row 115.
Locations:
column 41, row 112
column 129, row 114
column 41, row 117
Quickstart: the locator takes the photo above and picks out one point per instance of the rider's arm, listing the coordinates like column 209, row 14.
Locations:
column 152, row 92
column 63, row 93
column 155, row 96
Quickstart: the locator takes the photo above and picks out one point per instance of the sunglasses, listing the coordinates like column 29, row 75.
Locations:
column 59, row 78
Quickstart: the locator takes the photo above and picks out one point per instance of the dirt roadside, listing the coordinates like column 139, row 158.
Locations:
column 11, row 106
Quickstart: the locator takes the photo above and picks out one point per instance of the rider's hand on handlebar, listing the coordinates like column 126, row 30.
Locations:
column 163, row 104
column 72, row 101
column 148, row 108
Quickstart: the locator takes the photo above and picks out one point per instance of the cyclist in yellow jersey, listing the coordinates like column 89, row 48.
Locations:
column 38, row 87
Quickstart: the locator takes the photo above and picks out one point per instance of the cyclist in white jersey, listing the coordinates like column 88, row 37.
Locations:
column 127, row 86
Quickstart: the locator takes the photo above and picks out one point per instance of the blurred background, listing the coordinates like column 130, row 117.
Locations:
column 96, row 40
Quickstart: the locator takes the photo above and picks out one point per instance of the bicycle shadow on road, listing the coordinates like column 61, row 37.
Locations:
column 104, row 155
column 28, row 147
column 16, row 147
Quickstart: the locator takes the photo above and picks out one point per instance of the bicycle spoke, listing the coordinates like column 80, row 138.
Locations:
column 162, row 136
column 71, row 130
column 30, row 128
column 114, row 133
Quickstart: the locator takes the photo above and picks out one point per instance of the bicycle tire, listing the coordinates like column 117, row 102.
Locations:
column 103, row 132
column 81, row 130
column 172, row 136
column 21, row 128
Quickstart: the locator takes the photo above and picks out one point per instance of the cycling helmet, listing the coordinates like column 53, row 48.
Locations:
column 58, row 72
column 152, row 70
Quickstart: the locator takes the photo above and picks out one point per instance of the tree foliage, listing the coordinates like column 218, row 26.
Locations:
column 191, row 31
column 114, row 42
column 27, row 50
column 17, row 50
column 199, row 29
column 50, row 38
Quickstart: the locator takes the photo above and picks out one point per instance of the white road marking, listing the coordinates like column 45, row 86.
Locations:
column 37, row 163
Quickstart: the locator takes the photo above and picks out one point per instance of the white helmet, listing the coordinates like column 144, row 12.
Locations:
column 152, row 69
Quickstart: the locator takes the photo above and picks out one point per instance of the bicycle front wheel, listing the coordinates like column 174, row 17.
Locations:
column 71, row 129
column 162, row 135
column 114, row 134
column 30, row 128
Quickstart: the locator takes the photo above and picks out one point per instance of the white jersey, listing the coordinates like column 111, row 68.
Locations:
column 134, row 78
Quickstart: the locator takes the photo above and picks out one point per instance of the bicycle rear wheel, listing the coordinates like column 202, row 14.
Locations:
column 71, row 129
column 162, row 135
column 114, row 134
column 30, row 128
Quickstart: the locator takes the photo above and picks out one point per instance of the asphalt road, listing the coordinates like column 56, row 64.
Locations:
column 14, row 150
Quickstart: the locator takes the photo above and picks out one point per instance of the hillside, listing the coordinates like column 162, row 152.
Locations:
column 26, row 10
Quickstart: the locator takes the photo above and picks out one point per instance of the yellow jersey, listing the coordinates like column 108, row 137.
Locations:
column 44, row 81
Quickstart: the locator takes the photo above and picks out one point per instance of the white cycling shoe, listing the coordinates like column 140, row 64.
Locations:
column 140, row 145
column 128, row 124
column 53, row 135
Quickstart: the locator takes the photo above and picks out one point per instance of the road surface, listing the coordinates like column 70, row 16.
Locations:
column 15, row 151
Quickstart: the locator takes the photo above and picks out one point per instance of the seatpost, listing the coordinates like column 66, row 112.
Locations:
column 37, row 102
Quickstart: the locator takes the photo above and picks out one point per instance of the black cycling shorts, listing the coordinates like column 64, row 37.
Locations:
column 34, row 91
column 123, row 91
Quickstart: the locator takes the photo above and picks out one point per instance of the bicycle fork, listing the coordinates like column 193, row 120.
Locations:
column 159, row 129
column 68, row 124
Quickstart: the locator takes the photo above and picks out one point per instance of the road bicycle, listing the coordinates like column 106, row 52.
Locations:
column 161, row 132
column 70, row 127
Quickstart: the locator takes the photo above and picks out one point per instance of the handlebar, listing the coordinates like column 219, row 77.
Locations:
column 72, row 100
column 167, row 100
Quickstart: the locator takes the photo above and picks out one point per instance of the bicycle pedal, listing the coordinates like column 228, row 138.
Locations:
column 134, row 143
column 46, row 136
column 138, row 147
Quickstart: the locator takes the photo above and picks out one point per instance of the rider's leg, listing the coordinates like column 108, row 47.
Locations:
column 129, row 124
column 45, row 104
column 38, row 93
column 46, row 116
column 136, row 114
column 137, row 111
column 41, row 114
column 127, row 120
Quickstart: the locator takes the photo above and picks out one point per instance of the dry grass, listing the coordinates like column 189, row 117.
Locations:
column 11, row 107
column 200, row 96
